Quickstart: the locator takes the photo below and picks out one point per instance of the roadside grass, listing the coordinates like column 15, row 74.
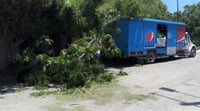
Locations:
column 21, row 89
column 130, row 97
column 100, row 93
column 122, row 73
column 43, row 93
column 97, row 94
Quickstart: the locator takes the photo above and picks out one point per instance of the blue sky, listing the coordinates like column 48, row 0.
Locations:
column 172, row 4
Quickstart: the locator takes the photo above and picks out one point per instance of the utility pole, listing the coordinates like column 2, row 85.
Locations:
column 177, row 11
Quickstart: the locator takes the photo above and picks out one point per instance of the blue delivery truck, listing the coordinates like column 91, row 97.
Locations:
column 149, row 39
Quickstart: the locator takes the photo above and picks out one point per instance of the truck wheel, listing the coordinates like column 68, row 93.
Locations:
column 193, row 52
column 150, row 57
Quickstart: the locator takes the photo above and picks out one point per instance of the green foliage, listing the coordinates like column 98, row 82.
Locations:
column 76, row 66
column 154, row 9
column 69, row 18
column 29, row 19
column 129, row 8
column 26, row 56
column 100, row 14
column 191, row 16
column 44, row 45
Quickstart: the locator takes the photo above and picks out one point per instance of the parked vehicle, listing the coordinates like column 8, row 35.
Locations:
column 149, row 39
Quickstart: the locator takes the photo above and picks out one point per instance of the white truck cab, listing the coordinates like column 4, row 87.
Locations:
column 190, row 48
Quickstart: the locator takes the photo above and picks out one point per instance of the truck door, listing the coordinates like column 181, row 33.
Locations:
column 161, row 39
column 171, row 40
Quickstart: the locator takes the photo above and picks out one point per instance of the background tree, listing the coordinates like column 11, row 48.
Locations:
column 155, row 9
column 24, row 21
column 190, row 16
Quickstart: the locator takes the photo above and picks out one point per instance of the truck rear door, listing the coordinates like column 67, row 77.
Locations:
column 171, row 40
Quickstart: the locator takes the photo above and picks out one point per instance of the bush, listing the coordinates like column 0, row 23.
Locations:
column 75, row 66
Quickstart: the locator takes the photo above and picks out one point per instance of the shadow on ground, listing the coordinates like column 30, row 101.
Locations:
column 132, row 62
column 181, row 102
column 8, row 83
column 9, row 88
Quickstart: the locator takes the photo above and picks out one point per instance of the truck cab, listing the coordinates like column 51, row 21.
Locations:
column 190, row 48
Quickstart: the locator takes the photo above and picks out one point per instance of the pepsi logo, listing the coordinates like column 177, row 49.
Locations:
column 181, row 34
column 149, row 36
column 179, row 39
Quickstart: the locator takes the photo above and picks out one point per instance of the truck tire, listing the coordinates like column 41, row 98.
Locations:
column 150, row 57
column 193, row 52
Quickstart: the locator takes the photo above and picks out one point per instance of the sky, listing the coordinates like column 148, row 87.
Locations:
column 172, row 4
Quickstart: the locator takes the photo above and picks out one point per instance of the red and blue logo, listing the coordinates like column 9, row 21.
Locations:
column 180, row 34
column 150, row 36
column 181, row 38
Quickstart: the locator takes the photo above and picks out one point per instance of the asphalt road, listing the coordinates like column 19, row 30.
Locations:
column 175, row 83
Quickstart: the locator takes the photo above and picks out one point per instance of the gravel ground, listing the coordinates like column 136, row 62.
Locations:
column 175, row 84
column 22, row 101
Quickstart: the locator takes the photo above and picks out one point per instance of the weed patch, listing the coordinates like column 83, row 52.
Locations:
column 121, row 73
column 129, row 97
column 97, row 94
column 43, row 93
column 21, row 89
column 102, row 94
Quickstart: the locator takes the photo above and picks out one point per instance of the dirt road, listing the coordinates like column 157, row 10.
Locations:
column 164, row 86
